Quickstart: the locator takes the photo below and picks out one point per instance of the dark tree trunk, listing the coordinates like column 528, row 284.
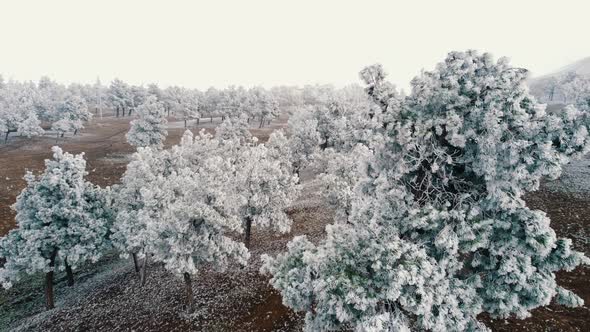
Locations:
column 75, row 132
column 117, row 110
column 6, row 137
column 184, row 123
column 49, row 303
column 129, row 113
column 211, row 119
column 69, row 273
column 248, row 121
column 298, row 172
column 190, row 304
column 247, row 232
column 63, row 133
column 198, row 120
column 143, row 272
column 261, row 122
column 135, row 263
column 168, row 110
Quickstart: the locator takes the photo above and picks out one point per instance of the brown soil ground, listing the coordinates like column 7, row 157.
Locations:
column 107, row 296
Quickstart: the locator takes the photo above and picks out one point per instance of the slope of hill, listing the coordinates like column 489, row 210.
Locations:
column 540, row 85
column 580, row 67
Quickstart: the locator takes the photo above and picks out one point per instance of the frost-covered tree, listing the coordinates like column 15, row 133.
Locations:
column 30, row 125
column 149, row 129
column 304, row 139
column 210, row 102
column 341, row 173
column 62, row 222
column 268, row 189
column 120, row 96
column 439, row 231
column 179, row 205
column 18, row 111
column 234, row 129
column 73, row 113
column 279, row 149
column 187, row 105
column 130, row 231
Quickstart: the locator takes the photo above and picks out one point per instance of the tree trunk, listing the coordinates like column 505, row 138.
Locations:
column 211, row 119
column 198, row 120
column 117, row 110
column 190, row 304
column 49, row 303
column 261, row 122
column 6, row 137
column 248, row 121
column 134, row 255
column 247, row 232
column 143, row 272
column 63, row 133
column 69, row 273
column 185, row 123
column 56, row 137
column 75, row 132
column 129, row 113
column 168, row 111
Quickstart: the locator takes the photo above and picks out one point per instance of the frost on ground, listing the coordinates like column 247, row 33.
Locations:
column 574, row 180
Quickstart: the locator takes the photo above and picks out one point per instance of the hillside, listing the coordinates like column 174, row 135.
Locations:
column 540, row 85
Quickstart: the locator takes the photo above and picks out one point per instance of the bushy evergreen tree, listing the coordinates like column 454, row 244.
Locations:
column 439, row 231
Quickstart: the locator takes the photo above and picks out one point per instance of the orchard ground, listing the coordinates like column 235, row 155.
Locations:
column 107, row 295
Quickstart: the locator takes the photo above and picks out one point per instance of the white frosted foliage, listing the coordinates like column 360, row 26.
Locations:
column 149, row 129
column 438, row 230
column 57, row 213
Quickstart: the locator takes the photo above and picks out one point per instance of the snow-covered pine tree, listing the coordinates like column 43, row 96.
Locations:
column 439, row 231
column 18, row 112
column 234, row 129
column 304, row 139
column 30, row 126
column 268, row 189
column 72, row 114
column 341, row 173
column 279, row 149
column 62, row 222
column 180, row 204
column 149, row 129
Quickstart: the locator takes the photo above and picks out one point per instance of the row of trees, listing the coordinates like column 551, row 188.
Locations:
column 25, row 106
column 183, row 207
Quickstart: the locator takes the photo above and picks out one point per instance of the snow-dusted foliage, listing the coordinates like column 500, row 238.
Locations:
column 439, row 231
column 176, row 207
column 233, row 129
column 30, row 125
column 18, row 111
column 267, row 187
column 304, row 139
column 279, row 149
column 62, row 220
column 120, row 96
column 149, row 129
column 341, row 173
column 72, row 115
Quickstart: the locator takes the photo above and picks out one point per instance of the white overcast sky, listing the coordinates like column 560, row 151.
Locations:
column 203, row 43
